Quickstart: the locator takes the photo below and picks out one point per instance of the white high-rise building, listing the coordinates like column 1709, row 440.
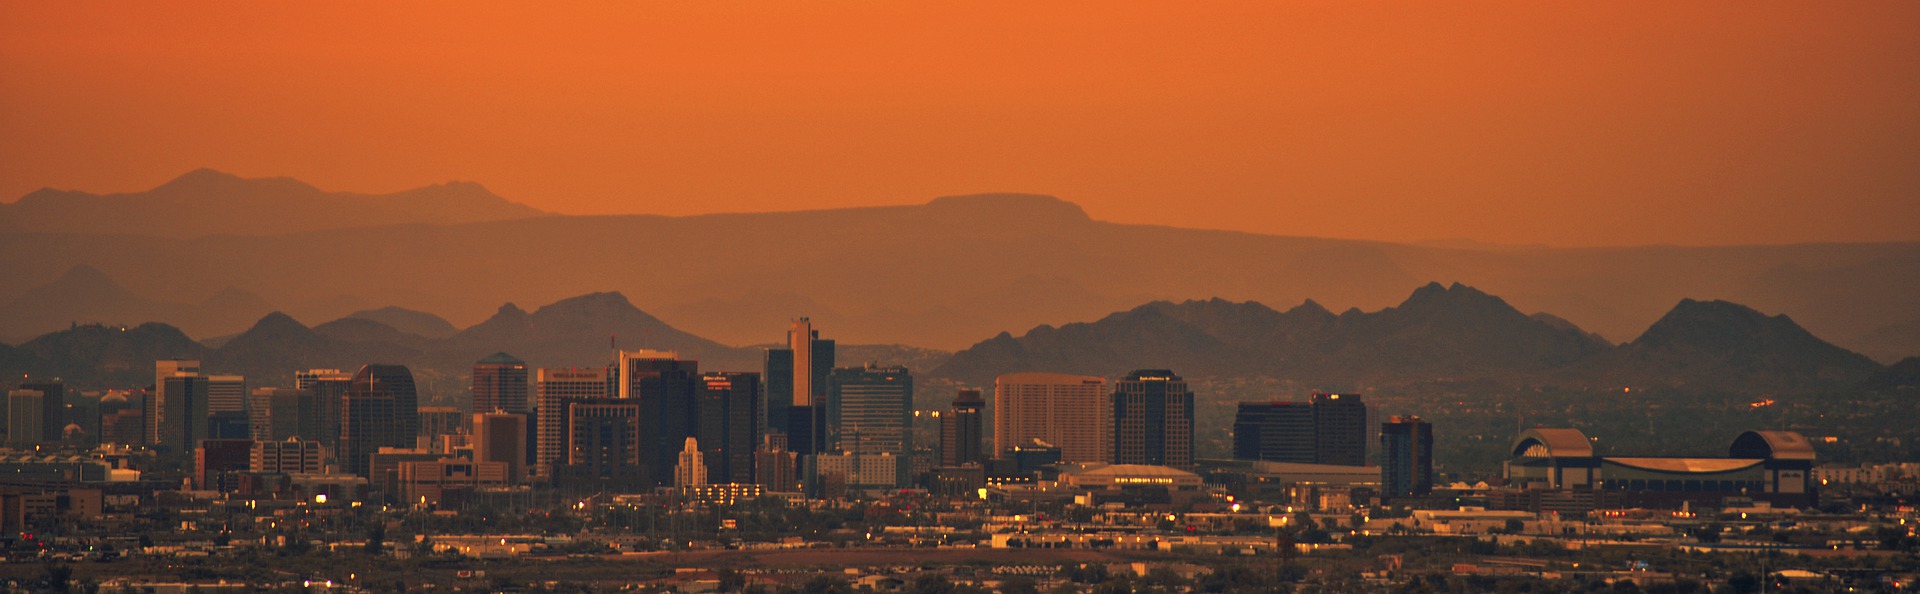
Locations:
column 553, row 389
column 1071, row 412
column 692, row 469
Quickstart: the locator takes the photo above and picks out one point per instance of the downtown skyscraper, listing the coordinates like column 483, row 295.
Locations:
column 1070, row 412
column 729, row 431
column 1152, row 419
column 381, row 409
column 1406, row 445
column 796, row 378
column 555, row 389
column 870, row 411
column 500, row 385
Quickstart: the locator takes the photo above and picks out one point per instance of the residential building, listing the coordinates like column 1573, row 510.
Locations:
column 1072, row 412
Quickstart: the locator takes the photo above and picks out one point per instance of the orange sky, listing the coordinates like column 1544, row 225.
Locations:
column 1602, row 123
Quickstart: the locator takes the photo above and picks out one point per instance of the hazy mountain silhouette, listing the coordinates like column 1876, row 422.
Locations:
column 1901, row 377
column 85, row 295
column 1727, row 346
column 1892, row 342
column 582, row 331
column 365, row 330
column 574, row 331
column 418, row 323
column 99, row 356
column 208, row 202
column 1438, row 333
column 940, row 274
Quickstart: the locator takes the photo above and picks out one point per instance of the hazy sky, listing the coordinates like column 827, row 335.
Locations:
column 1597, row 123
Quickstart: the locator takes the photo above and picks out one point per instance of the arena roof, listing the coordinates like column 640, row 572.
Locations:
column 1133, row 470
column 1557, row 443
column 1685, row 465
column 1778, row 445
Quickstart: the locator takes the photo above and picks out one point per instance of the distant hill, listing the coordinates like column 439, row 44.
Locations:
column 1901, row 377
column 941, row 274
column 584, row 330
column 418, row 323
column 1728, row 346
column 1438, row 333
column 99, row 355
column 208, row 202
column 574, row 331
column 85, row 295
column 1891, row 342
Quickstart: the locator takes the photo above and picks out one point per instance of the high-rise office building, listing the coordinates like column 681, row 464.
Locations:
column 53, row 422
column 500, row 383
column 1152, row 419
column 1339, row 429
column 1072, row 412
column 796, row 400
column 156, row 402
column 278, row 414
column 1274, row 432
column 26, row 413
column 1407, row 444
column 777, row 373
column 729, row 424
column 380, row 410
column 227, row 408
column 667, row 389
column 691, row 469
column 287, row 456
column 870, row 411
column 502, row 437
column 182, row 408
column 604, row 439
column 961, row 430
column 329, row 387
column 226, row 394
column 555, row 389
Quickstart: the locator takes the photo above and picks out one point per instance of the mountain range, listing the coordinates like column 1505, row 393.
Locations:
column 213, row 253
column 1438, row 333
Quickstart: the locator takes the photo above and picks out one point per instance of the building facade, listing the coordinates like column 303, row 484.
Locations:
column 1152, row 419
column 1071, row 412
column 1406, row 445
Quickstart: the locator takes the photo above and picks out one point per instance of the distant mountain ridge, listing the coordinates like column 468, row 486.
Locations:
column 940, row 274
column 1438, row 333
column 84, row 294
column 208, row 202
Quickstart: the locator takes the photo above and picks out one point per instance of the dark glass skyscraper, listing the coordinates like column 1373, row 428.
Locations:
column 381, row 409
column 53, row 422
column 961, row 429
column 1153, row 419
column 1407, row 444
column 1274, row 432
column 796, row 379
column 1339, row 429
column 667, row 390
column 729, row 425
